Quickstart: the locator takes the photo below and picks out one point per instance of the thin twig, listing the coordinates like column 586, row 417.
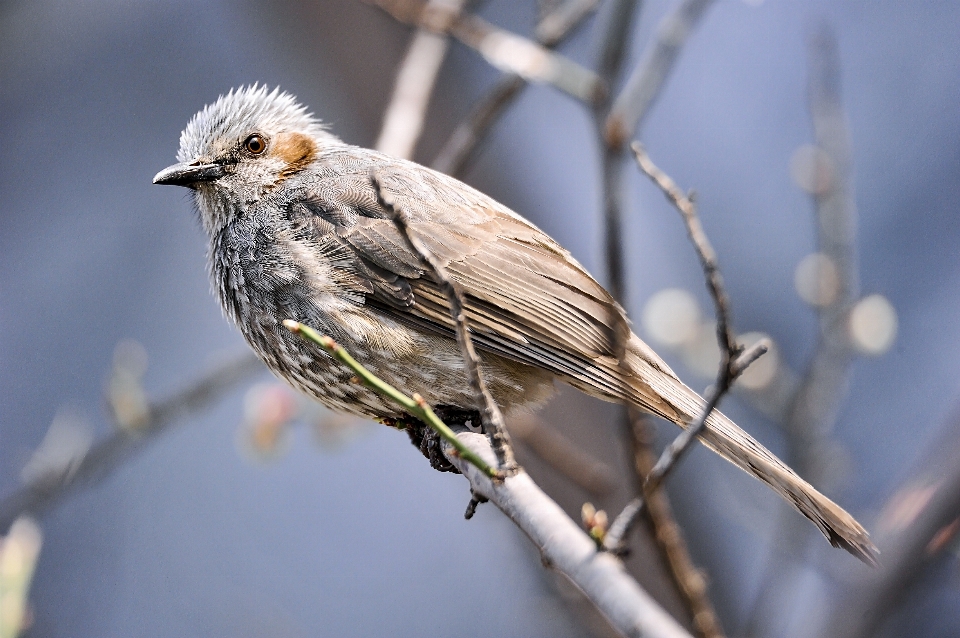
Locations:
column 733, row 361
column 490, row 414
column 624, row 521
column 507, row 51
column 403, row 118
column 649, row 76
column 562, row 454
column 565, row 547
column 105, row 457
column 691, row 581
column 708, row 258
column 415, row 404
column 665, row 531
column 553, row 29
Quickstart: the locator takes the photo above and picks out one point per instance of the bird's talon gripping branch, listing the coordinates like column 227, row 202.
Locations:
column 475, row 500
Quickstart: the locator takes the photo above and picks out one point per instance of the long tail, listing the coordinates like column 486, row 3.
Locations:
column 725, row 438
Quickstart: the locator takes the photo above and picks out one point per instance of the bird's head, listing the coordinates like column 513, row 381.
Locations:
column 241, row 147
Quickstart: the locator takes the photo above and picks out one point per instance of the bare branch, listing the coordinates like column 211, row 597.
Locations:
column 567, row 549
column 665, row 531
column 648, row 77
column 557, row 25
column 514, row 54
column 818, row 398
column 732, row 361
column 507, row 51
column 403, row 119
column 590, row 473
column 552, row 30
column 103, row 458
column 691, row 582
column 489, row 412
column 562, row 544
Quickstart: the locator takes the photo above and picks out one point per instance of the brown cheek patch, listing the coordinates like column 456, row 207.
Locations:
column 296, row 150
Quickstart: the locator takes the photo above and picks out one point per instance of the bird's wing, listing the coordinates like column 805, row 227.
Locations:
column 528, row 300
column 526, row 297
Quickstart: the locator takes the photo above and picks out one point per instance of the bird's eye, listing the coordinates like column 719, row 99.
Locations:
column 255, row 144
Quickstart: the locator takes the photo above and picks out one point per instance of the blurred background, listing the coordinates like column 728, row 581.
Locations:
column 259, row 515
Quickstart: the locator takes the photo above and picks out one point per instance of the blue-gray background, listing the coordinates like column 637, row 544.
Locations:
column 191, row 538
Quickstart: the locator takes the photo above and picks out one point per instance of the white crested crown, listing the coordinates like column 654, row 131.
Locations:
column 243, row 111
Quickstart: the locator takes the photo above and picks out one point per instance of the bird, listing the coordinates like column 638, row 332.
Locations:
column 297, row 232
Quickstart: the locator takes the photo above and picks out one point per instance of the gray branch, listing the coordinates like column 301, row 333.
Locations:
column 552, row 30
column 648, row 77
column 403, row 119
column 567, row 549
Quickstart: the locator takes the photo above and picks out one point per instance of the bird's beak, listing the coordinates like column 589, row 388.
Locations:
column 189, row 174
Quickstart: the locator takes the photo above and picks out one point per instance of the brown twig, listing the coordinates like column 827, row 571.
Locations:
column 733, row 360
column 553, row 29
column 648, row 77
column 403, row 119
column 689, row 581
column 107, row 455
column 561, row 454
column 489, row 412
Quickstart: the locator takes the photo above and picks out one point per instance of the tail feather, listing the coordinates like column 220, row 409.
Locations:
column 725, row 438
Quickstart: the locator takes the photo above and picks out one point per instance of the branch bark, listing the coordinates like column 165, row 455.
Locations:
column 648, row 77
column 460, row 146
column 403, row 119
column 567, row 549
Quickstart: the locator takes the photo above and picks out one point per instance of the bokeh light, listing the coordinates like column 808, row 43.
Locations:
column 671, row 317
column 812, row 169
column 268, row 409
column 125, row 393
column 873, row 325
column 817, row 280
